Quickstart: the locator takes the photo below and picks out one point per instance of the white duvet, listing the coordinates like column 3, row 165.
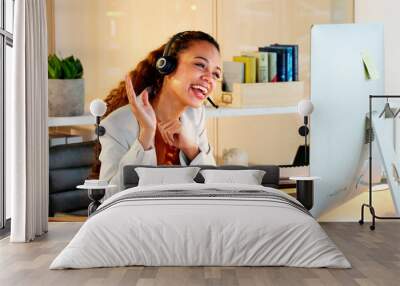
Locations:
column 200, row 231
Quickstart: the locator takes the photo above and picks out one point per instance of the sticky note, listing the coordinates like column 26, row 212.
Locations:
column 370, row 68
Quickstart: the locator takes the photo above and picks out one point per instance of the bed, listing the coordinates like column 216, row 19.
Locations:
column 201, row 224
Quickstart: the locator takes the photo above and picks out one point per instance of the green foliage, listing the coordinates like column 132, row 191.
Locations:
column 67, row 68
column 54, row 67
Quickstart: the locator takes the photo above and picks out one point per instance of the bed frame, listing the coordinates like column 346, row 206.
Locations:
column 271, row 178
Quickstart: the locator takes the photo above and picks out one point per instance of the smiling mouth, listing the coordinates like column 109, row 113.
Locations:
column 199, row 91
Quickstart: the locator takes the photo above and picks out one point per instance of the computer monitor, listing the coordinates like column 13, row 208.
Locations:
column 340, row 88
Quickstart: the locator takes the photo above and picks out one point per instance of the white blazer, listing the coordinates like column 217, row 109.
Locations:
column 120, row 145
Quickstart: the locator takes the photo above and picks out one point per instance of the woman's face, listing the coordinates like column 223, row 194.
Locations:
column 199, row 68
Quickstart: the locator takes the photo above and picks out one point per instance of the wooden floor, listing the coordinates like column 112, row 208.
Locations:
column 375, row 257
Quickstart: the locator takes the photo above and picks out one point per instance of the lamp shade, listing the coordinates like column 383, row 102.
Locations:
column 305, row 107
column 98, row 107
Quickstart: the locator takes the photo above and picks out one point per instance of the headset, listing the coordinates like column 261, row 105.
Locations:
column 167, row 63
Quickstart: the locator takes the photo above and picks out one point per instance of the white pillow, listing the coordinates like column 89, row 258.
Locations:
column 163, row 176
column 249, row 177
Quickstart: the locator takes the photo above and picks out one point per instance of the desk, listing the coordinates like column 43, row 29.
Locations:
column 211, row 112
column 86, row 119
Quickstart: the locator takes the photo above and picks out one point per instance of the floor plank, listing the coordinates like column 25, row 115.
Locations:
column 374, row 255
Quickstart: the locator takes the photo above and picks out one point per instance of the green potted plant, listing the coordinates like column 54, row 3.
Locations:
column 66, row 86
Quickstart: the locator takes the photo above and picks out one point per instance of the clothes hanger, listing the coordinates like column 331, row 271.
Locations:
column 397, row 113
column 387, row 111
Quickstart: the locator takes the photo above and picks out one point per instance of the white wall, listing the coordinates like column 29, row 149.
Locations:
column 386, row 12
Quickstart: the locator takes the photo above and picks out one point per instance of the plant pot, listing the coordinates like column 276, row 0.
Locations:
column 66, row 97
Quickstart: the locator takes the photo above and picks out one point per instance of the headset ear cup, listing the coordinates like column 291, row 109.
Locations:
column 161, row 63
column 166, row 64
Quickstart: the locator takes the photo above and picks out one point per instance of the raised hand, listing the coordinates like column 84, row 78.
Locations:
column 175, row 135
column 144, row 114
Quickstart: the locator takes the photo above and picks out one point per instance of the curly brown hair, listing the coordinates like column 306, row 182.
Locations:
column 146, row 75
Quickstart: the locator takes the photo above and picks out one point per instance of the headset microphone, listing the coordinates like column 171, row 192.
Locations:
column 212, row 102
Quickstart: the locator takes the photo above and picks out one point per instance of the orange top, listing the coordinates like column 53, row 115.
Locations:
column 166, row 154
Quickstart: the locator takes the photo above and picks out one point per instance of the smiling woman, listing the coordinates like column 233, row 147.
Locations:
column 156, row 115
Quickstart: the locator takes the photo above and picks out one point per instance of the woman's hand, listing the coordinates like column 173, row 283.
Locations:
column 175, row 135
column 145, row 114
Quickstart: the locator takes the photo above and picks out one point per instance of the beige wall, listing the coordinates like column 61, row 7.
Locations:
column 50, row 26
column 110, row 37
column 351, row 210
column 386, row 12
